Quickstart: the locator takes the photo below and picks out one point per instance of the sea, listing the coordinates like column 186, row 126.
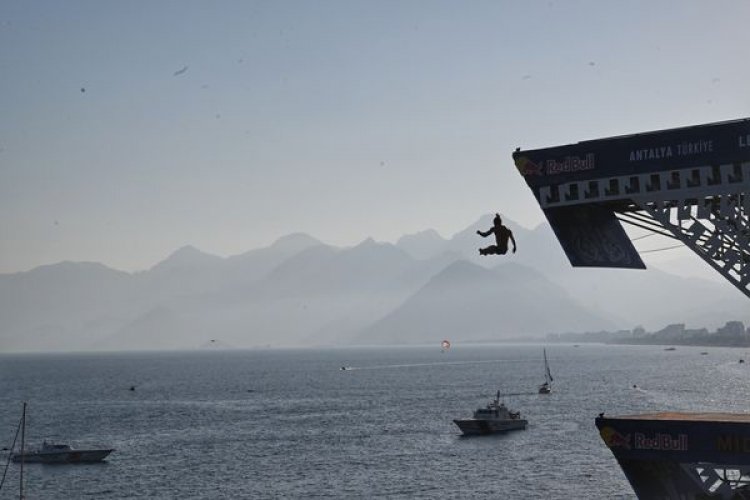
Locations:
column 290, row 423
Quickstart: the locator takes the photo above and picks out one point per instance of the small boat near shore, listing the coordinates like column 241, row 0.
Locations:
column 495, row 418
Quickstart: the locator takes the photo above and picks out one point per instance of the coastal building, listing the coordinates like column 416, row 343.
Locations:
column 735, row 329
column 671, row 332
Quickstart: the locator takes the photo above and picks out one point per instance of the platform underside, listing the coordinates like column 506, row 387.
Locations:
column 675, row 455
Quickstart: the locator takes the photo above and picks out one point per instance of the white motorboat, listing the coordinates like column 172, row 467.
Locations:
column 51, row 453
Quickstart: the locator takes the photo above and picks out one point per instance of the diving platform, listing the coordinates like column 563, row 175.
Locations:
column 691, row 184
column 681, row 455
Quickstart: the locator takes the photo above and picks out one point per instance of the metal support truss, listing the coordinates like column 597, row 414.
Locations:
column 721, row 481
column 706, row 208
column 716, row 228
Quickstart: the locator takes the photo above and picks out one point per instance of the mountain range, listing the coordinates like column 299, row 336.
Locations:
column 300, row 291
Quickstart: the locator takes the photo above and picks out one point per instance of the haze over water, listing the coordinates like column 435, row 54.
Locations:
column 291, row 423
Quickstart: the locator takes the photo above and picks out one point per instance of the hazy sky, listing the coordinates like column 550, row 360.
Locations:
column 129, row 129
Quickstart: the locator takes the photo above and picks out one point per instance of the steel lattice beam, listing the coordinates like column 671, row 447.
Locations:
column 716, row 228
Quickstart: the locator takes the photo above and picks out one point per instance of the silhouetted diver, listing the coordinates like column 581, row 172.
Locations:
column 502, row 234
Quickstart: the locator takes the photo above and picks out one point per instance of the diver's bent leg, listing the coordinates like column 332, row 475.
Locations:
column 490, row 250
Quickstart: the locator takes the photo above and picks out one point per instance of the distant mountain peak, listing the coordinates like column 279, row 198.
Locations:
column 296, row 241
column 186, row 256
column 74, row 265
column 460, row 269
column 422, row 245
column 68, row 267
column 369, row 248
column 186, row 250
column 368, row 242
column 427, row 233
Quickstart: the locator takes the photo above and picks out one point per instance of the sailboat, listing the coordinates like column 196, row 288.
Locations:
column 546, row 387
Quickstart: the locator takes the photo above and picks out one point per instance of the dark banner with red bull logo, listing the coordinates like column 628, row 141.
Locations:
column 681, row 457
column 683, row 440
column 673, row 149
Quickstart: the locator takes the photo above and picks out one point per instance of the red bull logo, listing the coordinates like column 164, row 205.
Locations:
column 570, row 164
column 661, row 442
column 553, row 167
column 657, row 442
column 614, row 439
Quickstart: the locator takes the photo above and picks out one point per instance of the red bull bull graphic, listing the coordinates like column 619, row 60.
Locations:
column 527, row 167
column 614, row 439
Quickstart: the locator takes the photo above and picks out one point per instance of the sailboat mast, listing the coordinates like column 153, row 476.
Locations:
column 23, row 448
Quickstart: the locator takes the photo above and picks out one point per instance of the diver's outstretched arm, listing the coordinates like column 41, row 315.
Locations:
column 484, row 235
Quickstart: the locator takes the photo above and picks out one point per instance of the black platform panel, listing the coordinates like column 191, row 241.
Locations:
column 591, row 236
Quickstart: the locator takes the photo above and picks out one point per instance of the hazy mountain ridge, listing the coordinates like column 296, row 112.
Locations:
column 49, row 303
column 300, row 291
column 468, row 302
column 422, row 245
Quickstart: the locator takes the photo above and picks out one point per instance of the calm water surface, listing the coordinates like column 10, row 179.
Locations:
column 290, row 423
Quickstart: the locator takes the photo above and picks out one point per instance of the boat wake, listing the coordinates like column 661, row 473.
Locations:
column 436, row 363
